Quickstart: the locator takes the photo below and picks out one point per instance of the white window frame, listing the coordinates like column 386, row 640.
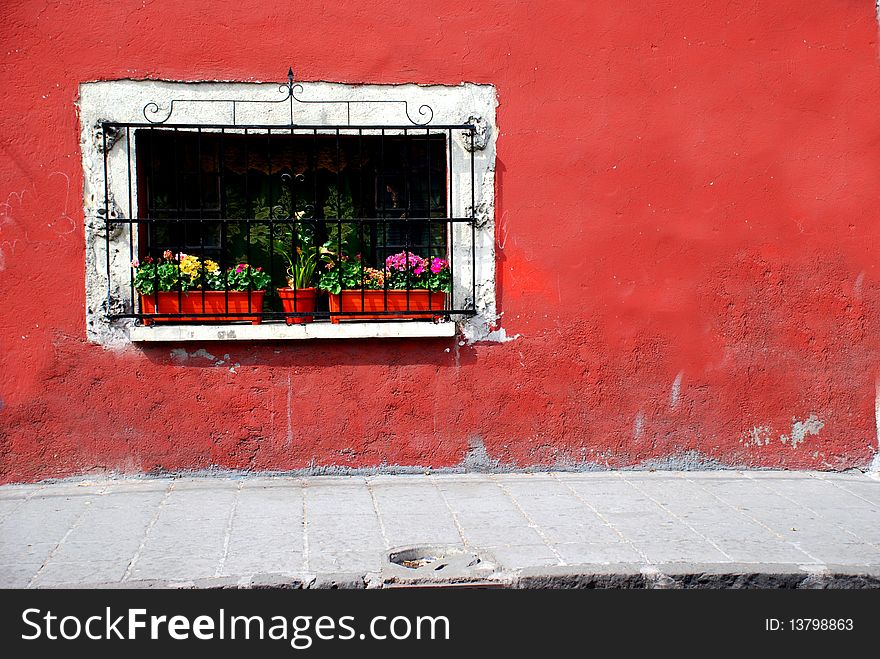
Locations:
column 123, row 101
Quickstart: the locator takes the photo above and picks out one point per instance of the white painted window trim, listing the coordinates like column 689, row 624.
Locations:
column 123, row 101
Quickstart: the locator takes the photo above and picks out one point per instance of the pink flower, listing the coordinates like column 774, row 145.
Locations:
column 438, row 264
column 404, row 261
column 419, row 270
column 167, row 255
column 135, row 263
column 240, row 268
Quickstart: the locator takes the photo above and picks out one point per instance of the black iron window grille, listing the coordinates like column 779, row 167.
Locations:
column 231, row 222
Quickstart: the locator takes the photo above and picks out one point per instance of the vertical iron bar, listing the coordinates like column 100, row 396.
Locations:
column 313, row 165
column 382, row 191
column 339, row 220
column 430, row 225
column 224, row 238
column 201, row 216
column 450, row 226
column 106, row 211
column 361, row 199
column 294, row 232
column 473, row 231
column 151, row 205
column 249, row 210
column 131, row 224
column 407, row 190
column 271, row 225
column 180, row 212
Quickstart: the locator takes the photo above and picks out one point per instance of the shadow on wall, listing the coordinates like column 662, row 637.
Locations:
column 312, row 354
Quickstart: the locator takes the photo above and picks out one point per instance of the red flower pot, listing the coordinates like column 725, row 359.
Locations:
column 297, row 300
column 420, row 299
column 210, row 307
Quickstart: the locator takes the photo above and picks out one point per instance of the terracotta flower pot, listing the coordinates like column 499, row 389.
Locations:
column 298, row 300
column 210, row 308
column 420, row 299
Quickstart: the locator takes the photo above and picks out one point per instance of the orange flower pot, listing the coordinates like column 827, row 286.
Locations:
column 297, row 300
column 420, row 299
column 213, row 310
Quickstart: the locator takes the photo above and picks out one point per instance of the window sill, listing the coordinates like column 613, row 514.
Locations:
column 283, row 332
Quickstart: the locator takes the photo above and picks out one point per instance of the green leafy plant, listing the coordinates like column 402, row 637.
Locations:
column 185, row 272
column 402, row 271
column 346, row 273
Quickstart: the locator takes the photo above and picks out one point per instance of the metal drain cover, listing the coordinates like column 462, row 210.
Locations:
column 437, row 563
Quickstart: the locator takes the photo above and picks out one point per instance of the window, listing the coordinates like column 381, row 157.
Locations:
column 221, row 220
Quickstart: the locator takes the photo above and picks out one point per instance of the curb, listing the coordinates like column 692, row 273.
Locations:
column 624, row 576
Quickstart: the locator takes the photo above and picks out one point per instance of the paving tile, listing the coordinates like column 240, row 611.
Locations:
column 94, row 571
column 587, row 553
column 747, row 550
column 267, row 560
column 334, row 560
column 497, row 535
column 522, row 556
column 674, row 550
column 118, row 550
column 168, row 565
column 18, row 491
column 12, row 551
column 592, row 533
column 578, row 517
column 420, row 529
column 17, row 574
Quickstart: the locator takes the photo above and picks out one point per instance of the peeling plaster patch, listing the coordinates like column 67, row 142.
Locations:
column 476, row 329
column 180, row 354
column 639, row 425
column 875, row 463
column 687, row 461
column 757, row 436
column 676, row 390
column 857, row 286
column 477, row 458
column 495, row 336
column 800, row 429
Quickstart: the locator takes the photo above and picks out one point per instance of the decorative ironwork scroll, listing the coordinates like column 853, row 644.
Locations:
column 424, row 115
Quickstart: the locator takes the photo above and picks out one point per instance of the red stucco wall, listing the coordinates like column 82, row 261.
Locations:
column 687, row 225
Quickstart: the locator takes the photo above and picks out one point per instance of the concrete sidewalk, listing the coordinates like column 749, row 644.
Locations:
column 657, row 529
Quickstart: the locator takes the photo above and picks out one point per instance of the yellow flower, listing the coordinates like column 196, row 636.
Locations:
column 190, row 266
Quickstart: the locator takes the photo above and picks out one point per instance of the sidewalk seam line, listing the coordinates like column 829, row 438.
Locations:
column 816, row 512
column 155, row 518
column 679, row 519
column 305, row 522
column 577, row 495
column 841, row 487
column 21, row 503
column 378, row 515
column 232, row 509
column 532, row 523
column 455, row 521
column 57, row 546
column 815, row 560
